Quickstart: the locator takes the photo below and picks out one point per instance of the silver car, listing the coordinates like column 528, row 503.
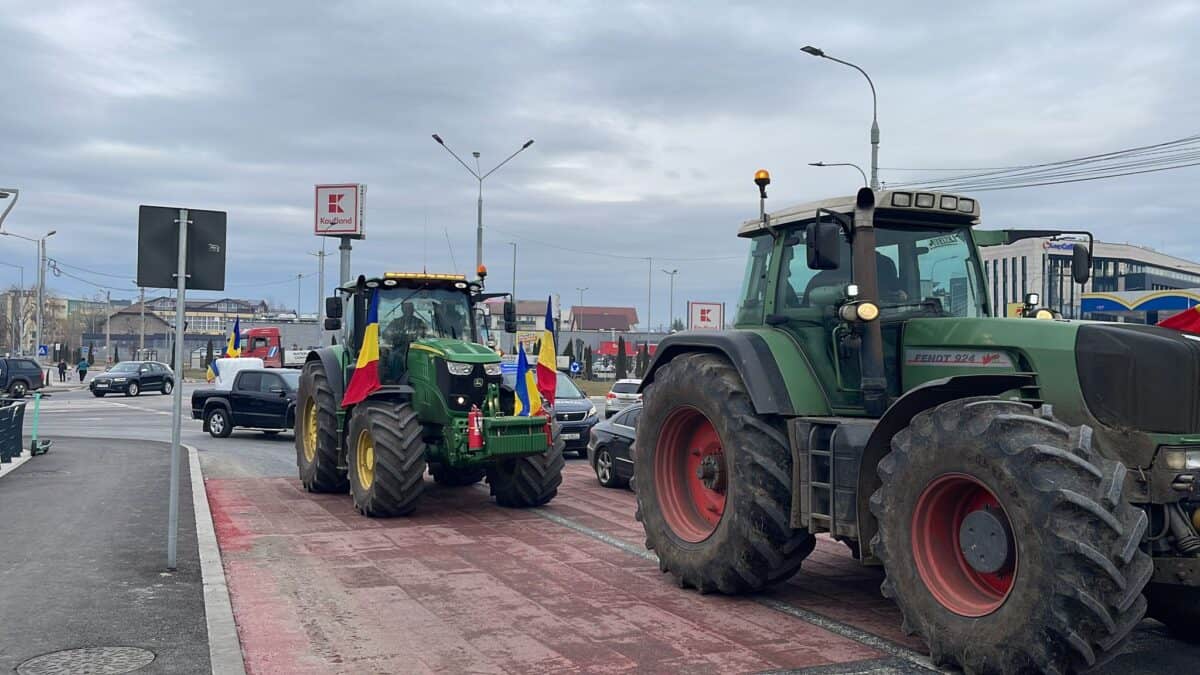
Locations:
column 623, row 394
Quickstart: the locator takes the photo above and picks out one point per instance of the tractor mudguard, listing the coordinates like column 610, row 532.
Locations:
column 747, row 351
column 899, row 414
column 329, row 358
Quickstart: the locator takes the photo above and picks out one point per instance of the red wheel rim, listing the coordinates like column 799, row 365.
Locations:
column 690, row 477
column 936, row 523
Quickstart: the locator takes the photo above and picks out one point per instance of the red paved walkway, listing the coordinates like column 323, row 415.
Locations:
column 468, row 586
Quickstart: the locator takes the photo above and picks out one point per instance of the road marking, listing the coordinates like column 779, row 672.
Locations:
column 833, row 626
column 224, row 649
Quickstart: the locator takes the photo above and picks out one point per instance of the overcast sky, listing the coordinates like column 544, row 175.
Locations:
column 649, row 121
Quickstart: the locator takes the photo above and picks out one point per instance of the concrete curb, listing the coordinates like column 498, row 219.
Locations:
column 6, row 469
column 224, row 648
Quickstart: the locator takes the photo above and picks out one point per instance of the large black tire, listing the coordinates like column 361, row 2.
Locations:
column 451, row 477
column 528, row 481
column 317, row 433
column 1176, row 606
column 753, row 544
column 388, row 479
column 1072, row 577
column 18, row 389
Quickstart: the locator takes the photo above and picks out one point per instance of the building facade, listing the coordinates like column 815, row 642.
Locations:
column 1044, row 266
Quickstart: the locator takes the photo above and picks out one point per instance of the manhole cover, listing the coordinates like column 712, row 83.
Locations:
column 90, row 660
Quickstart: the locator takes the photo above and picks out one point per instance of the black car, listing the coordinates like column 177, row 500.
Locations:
column 257, row 399
column 19, row 376
column 132, row 378
column 573, row 410
column 610, row 448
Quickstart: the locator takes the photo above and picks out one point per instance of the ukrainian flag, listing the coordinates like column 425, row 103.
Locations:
column 212, row 373
column 528, row 401
column 234, row 348
column 365, row 380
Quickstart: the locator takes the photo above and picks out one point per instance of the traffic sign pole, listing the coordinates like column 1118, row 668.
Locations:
column 177, row 394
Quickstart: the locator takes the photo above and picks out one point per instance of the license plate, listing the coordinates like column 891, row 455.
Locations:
column 570, row 437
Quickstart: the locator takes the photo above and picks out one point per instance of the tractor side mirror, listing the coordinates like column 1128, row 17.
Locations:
column 333, row 307
column 333, row 324
column 510, row 317
column 822, row 241
column 1081, row 264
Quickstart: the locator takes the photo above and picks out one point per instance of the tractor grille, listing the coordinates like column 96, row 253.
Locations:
column 464, row 391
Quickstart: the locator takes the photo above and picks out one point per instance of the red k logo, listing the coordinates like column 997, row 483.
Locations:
column 704, row 315
column 335, row 203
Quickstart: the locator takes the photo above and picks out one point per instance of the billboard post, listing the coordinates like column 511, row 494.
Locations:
column 338, row 211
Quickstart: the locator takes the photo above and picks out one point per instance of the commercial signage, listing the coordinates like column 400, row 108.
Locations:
column 338, row 210
column 1067, row 246
column 706, row 315
column 973, row 358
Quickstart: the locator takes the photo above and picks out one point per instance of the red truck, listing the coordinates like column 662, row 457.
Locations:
column 263, row 343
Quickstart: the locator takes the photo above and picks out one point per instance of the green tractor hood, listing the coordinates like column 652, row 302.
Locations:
column 457, row 350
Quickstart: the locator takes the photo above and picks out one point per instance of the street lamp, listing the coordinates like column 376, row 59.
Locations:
column 480, row 176
column 859, row 168
column 671, row 316
column 581, row 290
column 19, row 328
column 10, row 194
column 41, row 290
column 809, row 49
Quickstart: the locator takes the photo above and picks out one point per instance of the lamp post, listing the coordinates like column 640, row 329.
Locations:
column 479, row 176
column 809, row 49
column 41, row 289
column 581, row 290
column 514, row 280
column 10, row 194
column 18, row 332
column 671, row 316
column 857, row 167
column 299, row 292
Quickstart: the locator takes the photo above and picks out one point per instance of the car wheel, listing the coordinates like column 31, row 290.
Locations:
column 606, row 470
column 18, row 390
column 167, row 387
column 133, row 389
column 218, row 423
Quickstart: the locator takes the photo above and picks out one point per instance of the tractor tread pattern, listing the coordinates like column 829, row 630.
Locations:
column 323, row 474
column 755, row 545
column 399, row 476
column 1073, row 611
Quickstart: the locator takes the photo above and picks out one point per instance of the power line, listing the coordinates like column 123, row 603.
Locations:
column 605, row 254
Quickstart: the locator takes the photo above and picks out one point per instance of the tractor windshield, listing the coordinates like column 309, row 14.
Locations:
column 407, row 314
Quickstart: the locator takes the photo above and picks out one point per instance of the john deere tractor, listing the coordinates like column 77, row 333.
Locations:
column 1026, row 485
column 441, row 403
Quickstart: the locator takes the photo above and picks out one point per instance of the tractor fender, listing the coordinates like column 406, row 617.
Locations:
column 749, row 354
column 898, row 416
column 329, row 358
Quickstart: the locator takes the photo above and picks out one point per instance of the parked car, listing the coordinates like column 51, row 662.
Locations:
column 19, row 376
column 132, row 378
column 573, row 410
column 623, row 394
column 610, row 448
column 257, row 399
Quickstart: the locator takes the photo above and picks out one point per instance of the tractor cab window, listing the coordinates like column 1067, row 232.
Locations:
column 935, row 272
column 407, row 314
column 754, row 286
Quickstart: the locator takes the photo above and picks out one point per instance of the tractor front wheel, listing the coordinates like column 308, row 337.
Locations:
column 387, row 459
column 1007, row 542
column 452, row 477
column 714, row 481
column 317, row 433
column 528, row 481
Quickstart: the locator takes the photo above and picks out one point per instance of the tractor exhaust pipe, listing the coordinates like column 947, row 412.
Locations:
column 866, row 275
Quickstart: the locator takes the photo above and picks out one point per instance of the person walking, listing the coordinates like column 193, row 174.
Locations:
column 82, row 368
column 62, row 370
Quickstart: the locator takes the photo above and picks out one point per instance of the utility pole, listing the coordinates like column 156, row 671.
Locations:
column 581, row 290
column 649, row 290
column 814, row 51
column 299, row 290
column 107, row 332
column 514, row 283
column 142, row 334
column 671, row 317
column 320, row 286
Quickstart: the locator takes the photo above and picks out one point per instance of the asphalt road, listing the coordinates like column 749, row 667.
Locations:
column 249, row 454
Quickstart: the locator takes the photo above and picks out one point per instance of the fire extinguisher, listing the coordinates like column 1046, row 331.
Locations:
column 475, row 429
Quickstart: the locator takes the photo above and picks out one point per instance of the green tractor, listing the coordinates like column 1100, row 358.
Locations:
column 441, row 404
column 1026, row 485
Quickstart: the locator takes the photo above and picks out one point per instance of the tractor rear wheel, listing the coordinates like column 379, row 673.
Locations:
column 714, row 481
column 528, row 481
column 386, row 458
column 317, row 433
column 452, row 477
column 1006, row 539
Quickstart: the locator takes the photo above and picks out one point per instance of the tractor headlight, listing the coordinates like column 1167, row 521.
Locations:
column 460, row 369
column 491, row 369
column 1180, row 459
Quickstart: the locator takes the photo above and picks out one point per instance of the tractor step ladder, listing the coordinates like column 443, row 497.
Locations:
column 819, row 473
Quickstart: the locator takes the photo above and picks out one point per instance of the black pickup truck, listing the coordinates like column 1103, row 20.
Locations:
column 259, row 399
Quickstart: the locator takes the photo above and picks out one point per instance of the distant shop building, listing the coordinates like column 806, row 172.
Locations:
column 1044, row 266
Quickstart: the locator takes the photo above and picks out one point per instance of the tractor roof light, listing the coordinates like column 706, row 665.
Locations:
column 949, row 202
column 481, row 271
column 425, row 276
column 924, row 200
column 762, row 178
column 390, row 282
column 902, row 199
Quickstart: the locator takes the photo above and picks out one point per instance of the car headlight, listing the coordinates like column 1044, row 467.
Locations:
column 492, row 369
column 591, row 410
column 118, row 379
column 461, row 369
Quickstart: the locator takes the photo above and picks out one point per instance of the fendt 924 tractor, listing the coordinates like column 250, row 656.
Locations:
column 1025, row 484
column 441, row 403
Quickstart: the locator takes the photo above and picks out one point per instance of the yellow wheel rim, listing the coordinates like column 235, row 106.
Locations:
column 310, row 430
column 364, row 461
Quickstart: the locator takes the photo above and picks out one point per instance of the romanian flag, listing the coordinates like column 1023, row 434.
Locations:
column 1187, row 321
column 365, row 379
column 528, row 401
column 547, row 373
column 233, row 349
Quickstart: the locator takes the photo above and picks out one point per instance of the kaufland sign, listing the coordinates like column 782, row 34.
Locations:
column 706, row 315
column 339, row 210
